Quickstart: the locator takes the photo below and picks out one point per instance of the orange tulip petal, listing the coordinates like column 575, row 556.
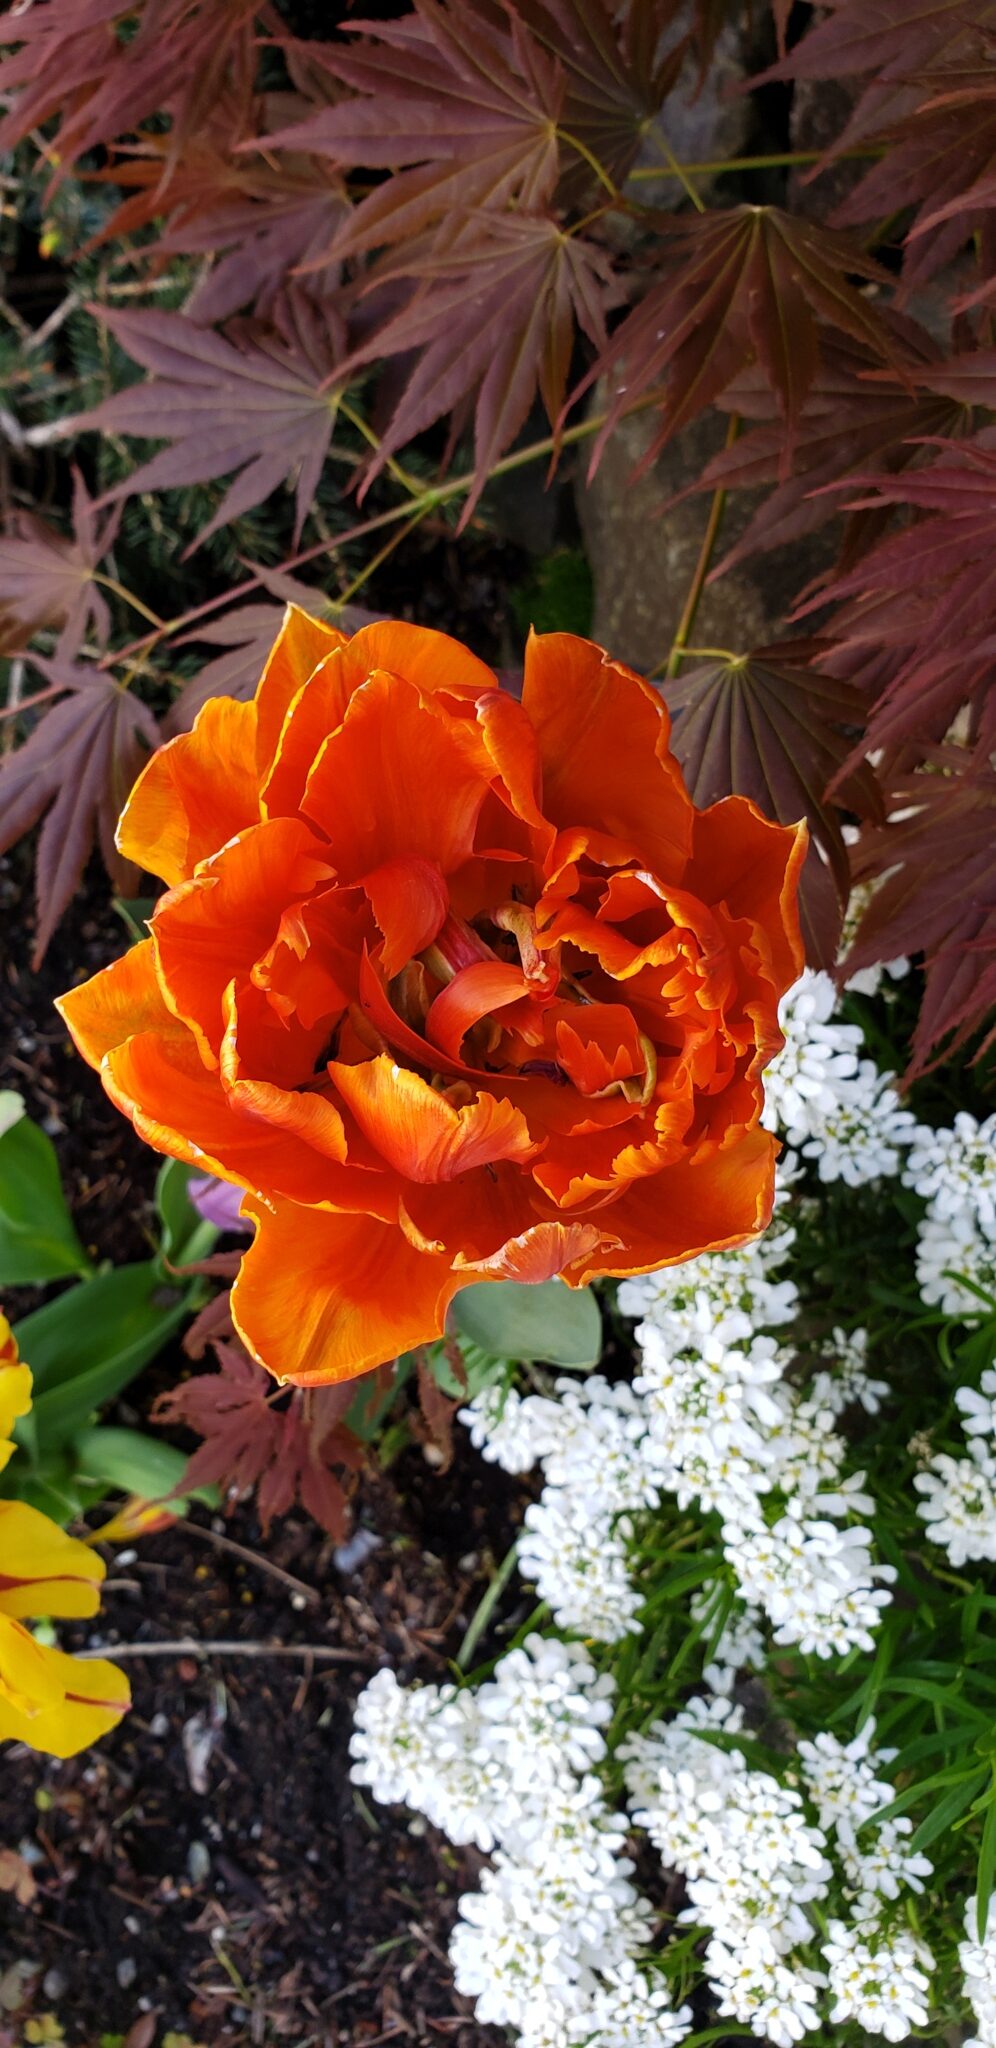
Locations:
column 541, row 1252
column 300, row 645
column 484, row 986
column 430, row 660
column 399, row 777
column 322, row 1297
column 122, row 999
column 422, row 1135
column 753, row 866
column 409, row 900
column 705, row 1204
column 180, row 1108
column 195, row 793
column 602, row 736
column 221, row 922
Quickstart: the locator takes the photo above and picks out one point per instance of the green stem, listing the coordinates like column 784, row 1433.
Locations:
column 128, row 597
column 486, row 1607
column 695, row 588
column 774, row 161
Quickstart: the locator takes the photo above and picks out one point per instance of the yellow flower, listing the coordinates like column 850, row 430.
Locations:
column 53, row 1702
column 15, row 1389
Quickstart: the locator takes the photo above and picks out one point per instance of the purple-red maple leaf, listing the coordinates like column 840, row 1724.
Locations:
column 287, row 1445
column 256, row 402
column 744, row 285
column 78, row 765
column 47, row 578
column 935, row 867
column 772, row 726
column 493, row 320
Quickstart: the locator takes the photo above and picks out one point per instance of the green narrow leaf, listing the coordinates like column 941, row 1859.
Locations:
column 947, row 1810
column 984, row 1875
column 38, row 1240
column 185, row 1235
column 550, row 1322
column 83, row 1348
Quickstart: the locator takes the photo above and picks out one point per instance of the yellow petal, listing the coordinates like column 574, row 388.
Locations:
column 42, row 1570
column 55, row 1703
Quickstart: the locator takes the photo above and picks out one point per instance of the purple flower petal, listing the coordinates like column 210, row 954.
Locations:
column 218, row 1202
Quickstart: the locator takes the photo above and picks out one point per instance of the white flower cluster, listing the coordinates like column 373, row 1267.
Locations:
column 753, row 1862
column 711, row 1419
column 955, row 1171
column 842, row 1784
column 978, row 1965
column 550, row 1944
column 959, row 1494
column 834, row 1106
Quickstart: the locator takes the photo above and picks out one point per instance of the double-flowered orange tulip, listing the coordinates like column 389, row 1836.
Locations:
column 456, row 988
column 51, row 1701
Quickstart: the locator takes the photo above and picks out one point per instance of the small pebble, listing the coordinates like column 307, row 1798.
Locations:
column 349, row 1556
column 55, row 1984
column 299, row 1601
column 126, row 1972
column 159, row 1725
column 124, row 1557
column 198, row 1862
column 132, row 1923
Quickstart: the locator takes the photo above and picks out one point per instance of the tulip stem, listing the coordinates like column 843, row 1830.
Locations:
column 697, row 585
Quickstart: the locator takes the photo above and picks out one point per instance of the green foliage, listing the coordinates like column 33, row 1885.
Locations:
column 557, row 1324
column 89, row 1342
column 38, row 1240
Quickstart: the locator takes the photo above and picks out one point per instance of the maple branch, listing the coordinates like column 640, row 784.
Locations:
column 695, row 588
column 252, row 1557
column 401, row 476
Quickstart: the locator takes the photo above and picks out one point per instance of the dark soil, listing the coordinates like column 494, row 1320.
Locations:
column 252, row 1897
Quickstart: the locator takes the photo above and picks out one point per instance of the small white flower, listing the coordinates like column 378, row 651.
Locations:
column 959, row 1507
column 883, row 1986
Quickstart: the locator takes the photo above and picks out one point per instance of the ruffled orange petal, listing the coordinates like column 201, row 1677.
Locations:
column 399, row 777
column 42, row 1570
column 419, row 1133
column 541, row 1252
column 598, row 1044
column 753, row 866
column 708, row 1203
column 194, row 794
column 430, row 660
column 409, row 900
column 300, row 645
column 323, row 1297
column 217, row 925
column 473, row 993
column 122, row 999
column 180, row 1108
column 603, row 740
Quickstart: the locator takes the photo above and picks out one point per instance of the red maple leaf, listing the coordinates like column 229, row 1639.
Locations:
column 744, row 285
column 47, row 577
column 935, row 862
column 492, row 319
column 289, row 1445
column 773, row 727
column 78, row 765
column 256, row 402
